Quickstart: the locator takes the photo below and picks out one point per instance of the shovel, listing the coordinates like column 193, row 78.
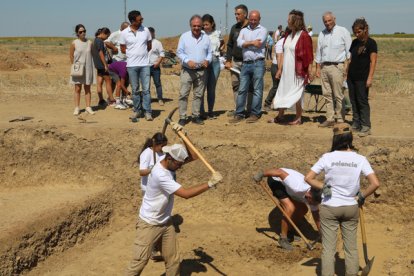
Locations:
column 368, row 262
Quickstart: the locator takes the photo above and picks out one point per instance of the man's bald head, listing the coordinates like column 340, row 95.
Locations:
column 254, row 19
column 124, row 25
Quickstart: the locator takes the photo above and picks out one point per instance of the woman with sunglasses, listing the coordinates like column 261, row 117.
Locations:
column 81, row 51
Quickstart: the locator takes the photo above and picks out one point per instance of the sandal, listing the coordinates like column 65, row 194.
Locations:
column 295, row 122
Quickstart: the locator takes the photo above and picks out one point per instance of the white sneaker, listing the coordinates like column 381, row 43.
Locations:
column 76, row 111
column 120, row 106
column 89, row 110
column 127, row 102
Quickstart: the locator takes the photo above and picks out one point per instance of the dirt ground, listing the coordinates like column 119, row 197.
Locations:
column 69, row 191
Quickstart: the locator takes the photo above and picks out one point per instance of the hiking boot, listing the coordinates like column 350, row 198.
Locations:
column 102, row 102
column 252, row 119
column 148, row 117
column 284, row 243
column 211, row 116
column 197, row 120
column 182, row 122
column 236, row 119
column 365, row 131
column 76, row 111
column 89, row 110
column 267, row 108
column 134, row 117
column 327, row 124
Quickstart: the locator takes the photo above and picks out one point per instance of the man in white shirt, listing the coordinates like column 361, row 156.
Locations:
column 290, row 188
column 154, row 222
column 135, row 42
column 332, row 54
column 156, row 55
column 113, row 43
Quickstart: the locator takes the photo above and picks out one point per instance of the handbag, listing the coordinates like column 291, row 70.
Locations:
column 77, row 69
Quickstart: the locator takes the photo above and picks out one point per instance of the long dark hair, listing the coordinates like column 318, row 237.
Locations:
column 209, row 18
column 157, row 139
column 342, row 142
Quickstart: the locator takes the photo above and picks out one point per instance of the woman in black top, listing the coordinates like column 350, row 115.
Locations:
column 360, row 73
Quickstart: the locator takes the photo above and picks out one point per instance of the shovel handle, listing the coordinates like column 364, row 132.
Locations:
column 364, row 235
column 276, row 202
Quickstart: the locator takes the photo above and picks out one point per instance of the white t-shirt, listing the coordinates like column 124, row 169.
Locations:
column 342, row 171
column 146, row 159
column 278, row 49
column 136, row 46
column 158, row 200
column 156, row 52
column 215, row 40
column 296, row 187
column 114, row 39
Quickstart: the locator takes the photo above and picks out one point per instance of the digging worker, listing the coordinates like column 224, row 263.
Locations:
column 290, row 188
column 154, row 222
column 332, row 54
column 341, row 196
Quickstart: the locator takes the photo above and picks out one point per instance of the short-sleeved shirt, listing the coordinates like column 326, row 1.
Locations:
column 278, row 49
column 119, row 68
column 360, row 62
column 158, row 200
column 342, row 172
column 114, row 39
column 98, row 46
column 146, row 159
column 156, row 52
column 295, row 186
column 136, row 46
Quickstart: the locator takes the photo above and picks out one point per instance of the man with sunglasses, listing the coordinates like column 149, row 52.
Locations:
column 154, row 222
column 135, row 42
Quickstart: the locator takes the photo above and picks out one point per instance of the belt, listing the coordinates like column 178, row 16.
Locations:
column 253, row 61
column 197, row 69
column 331, row 63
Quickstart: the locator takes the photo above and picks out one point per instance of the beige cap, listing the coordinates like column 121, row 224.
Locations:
column 341, row 128
column 177, row 151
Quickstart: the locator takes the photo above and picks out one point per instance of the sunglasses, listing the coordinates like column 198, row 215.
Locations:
column 81, row 32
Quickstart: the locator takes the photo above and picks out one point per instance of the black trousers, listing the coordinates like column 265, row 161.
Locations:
column 358, row 94
column 273, row 90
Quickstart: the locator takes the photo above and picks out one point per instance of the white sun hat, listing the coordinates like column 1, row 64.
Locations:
column 177, row 151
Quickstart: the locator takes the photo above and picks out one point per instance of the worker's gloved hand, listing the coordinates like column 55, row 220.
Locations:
column 175, row 126
column 258, row 176
column 215, row 179
column 326, row 190
column 360, row 199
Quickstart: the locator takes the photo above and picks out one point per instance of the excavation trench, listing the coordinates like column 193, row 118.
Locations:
column 56, row 189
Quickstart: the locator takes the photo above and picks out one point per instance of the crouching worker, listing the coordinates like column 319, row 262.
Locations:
column 154, row 220
column 290, row 188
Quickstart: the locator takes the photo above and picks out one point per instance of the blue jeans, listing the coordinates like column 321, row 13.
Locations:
column 137, row 74
column 213, row 73
column 251, row 72
column 156, row 78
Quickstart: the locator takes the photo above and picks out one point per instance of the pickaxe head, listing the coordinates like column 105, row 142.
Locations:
column 168, row 120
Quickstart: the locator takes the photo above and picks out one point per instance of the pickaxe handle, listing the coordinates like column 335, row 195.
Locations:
column 192, row 147
column 364, row 235
column 276, row 202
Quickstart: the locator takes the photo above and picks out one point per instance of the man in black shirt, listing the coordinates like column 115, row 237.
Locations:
column 234, row 57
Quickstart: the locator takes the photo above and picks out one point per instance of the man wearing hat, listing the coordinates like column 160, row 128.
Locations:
column 154, row 222
column 290, row 188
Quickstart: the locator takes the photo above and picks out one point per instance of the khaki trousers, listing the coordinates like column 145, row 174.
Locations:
column 147, row 236
column 347, row 218
column 332, row 78
column 197, row 80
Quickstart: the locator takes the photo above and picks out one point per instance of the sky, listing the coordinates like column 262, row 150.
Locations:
column 170, row 17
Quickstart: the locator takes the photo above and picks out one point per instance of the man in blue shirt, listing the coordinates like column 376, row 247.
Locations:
column 252, row 40
column 195, row 53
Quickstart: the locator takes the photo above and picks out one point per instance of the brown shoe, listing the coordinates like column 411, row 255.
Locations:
column 236, row 119
column 252, row 119
column 327, row 124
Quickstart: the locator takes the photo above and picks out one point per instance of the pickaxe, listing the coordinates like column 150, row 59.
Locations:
column 187, row 141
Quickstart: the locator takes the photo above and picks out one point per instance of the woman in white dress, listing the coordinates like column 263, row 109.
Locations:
column 294, row 74
column 80, row 51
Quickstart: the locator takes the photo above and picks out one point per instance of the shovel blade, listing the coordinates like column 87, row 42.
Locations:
column 367, row 268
